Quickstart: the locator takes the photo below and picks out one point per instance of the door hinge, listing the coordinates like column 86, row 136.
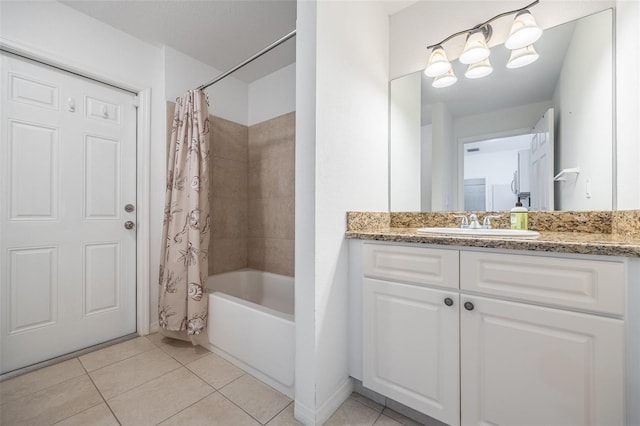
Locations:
column 136, row 101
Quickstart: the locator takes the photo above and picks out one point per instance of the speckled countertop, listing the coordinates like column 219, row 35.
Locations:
column 596, row 233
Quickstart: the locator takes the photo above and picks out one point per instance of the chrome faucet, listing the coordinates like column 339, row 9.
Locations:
column 472, row 221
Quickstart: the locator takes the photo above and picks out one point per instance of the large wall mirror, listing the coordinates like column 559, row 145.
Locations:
column 477, row 145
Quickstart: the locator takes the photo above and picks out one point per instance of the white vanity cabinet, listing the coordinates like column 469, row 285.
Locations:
column 526, row 340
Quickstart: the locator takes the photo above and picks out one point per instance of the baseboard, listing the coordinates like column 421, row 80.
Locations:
column 154, row 327
column 304, row 414
column 331, row 405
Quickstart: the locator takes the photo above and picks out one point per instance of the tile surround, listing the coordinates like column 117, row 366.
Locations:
column 251, row 194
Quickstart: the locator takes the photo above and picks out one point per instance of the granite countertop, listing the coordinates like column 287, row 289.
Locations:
column 374, row 226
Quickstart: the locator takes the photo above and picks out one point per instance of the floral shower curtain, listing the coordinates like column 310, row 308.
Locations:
column 182, row 304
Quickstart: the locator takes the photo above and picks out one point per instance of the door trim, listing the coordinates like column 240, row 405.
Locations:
column 143, row 172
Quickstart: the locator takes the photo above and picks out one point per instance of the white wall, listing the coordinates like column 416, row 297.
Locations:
column 272, row 95
column 405, row 157
column 60, row 34
column 583, row 84
column 628, row 103
column 305, row 216
column 227, row 99
column 341, row 165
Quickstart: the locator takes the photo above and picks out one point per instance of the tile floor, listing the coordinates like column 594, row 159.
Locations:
column 154, row 380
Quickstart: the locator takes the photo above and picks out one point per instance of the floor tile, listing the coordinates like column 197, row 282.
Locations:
column 386, row 421
column 160, row 398
column 29, row 383
column 215, row 370
column 256, row 398
column 100, row 415
column 212, row 410
column 184, row 352
column 51, row 405
column 103, row 357
column 351, row 412
column 117, row 378
column 285, row 418
column 366, row 401
column 400, row 418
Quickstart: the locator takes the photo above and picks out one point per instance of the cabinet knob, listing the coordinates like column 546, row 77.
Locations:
column 448, row 301
column 468, row 306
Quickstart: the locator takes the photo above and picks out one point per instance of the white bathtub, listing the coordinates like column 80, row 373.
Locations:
column 251, row 324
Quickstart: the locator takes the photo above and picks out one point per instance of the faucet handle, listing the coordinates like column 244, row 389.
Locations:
column 486, row 222
column 465, row 220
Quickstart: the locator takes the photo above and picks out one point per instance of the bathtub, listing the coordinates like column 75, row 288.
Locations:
column 251, row 324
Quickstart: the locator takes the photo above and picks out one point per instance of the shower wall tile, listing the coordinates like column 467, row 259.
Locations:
column 228, row 178
column 230, row 139
column 274, row 255
column 228, row 196
column 271, row 218
column 227, row 254
column 229, row 217
column 271, row 191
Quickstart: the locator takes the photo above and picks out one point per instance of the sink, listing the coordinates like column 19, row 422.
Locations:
column 481, row 232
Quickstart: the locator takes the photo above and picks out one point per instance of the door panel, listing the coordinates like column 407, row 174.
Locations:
column 410, row 347
column 542, row 146
column 67, row 169
column 529, row 365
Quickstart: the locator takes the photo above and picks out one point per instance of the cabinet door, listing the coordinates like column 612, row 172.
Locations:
column 529, row 365
column 411, row 347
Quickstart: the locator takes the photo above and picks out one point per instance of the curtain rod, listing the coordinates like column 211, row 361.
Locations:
column 247, row 61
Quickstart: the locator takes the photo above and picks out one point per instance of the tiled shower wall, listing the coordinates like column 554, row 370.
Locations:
column 251, row 194
column 271, row 195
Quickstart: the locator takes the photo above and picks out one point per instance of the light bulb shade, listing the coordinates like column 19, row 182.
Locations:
column 475, row 49
column 444, row 80
column 479, row 69
column 524, row 31
column 522, row 57
column 438, row 62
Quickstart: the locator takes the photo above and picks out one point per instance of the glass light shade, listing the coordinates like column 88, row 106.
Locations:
column 479, row 69
column 444, row 80
column 475, row 49
column 522, row 57
column 524, row 31
column 438, row 63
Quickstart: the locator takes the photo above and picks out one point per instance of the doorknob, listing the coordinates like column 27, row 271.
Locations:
column 129, row 225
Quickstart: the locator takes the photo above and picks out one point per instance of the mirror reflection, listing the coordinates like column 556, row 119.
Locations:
column 542, row 133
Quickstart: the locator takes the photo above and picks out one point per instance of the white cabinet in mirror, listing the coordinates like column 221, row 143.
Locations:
column 483, row 143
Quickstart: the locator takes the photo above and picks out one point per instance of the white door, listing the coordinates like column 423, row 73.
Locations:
column 411, row 346
column 529, row 365
column 542, row 164
column 67, row 170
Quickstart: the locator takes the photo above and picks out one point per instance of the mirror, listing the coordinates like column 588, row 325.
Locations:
column 481, row 144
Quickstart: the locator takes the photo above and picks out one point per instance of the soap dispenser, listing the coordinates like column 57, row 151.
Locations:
column 519, row 216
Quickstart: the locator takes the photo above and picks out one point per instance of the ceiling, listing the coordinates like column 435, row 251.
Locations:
column 220, row 33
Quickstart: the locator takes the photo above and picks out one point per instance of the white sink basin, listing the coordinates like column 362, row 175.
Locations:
column 501, row 233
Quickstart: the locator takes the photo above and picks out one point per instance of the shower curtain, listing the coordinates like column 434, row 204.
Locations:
column 182, row 304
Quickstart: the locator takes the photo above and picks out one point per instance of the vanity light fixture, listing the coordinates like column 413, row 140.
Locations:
column 521, row 57
column 479, row 69
column 444, row 80
column 438, row 63
column 476, row 49
column 524, row 32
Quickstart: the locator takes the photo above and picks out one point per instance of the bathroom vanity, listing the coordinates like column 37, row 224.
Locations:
column 496, row 331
